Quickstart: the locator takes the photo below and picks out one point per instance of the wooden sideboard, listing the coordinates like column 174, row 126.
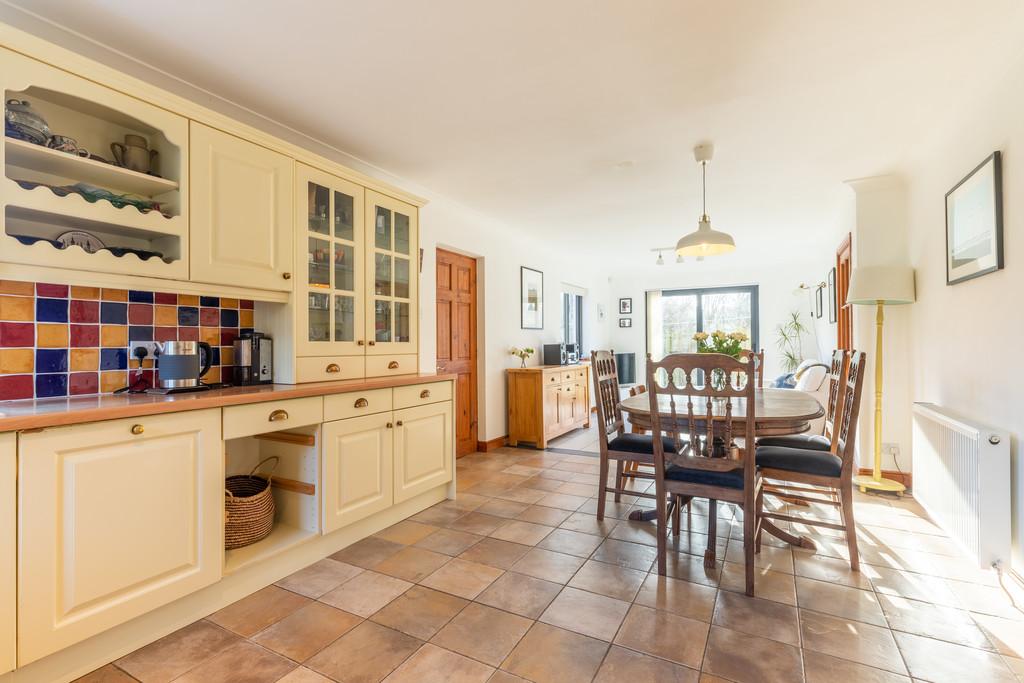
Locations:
column 547, row 401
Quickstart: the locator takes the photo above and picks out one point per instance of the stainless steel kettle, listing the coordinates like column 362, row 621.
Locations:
column 182, row 363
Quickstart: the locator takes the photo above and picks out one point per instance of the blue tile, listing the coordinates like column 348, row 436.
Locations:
column 228, row 317
column 113, row 313
column 188, row 316
column 140, row 297
column 52, row 310
column 244, row 331
column 208, row 301
column 51, row 360
column 140, row 333
column 113, row 359
column 215, row 356
column 51, row 385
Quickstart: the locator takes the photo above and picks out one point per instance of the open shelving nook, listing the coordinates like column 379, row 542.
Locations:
column 293, row 484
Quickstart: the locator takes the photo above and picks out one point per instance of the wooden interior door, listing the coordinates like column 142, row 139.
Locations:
column 844, row 329
column 456, row 340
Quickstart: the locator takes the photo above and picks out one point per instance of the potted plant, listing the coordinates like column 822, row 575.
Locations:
column 522, row 354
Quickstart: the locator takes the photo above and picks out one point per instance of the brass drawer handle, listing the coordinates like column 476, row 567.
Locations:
column 278, row 415
column 137, row 429
column 286, row 276
column 360, row 343
column 425, row 393
column 390, row 425
column 393, row 365
column 399, row 423
column 333, row 367
column 372, row 343
column 361, row 403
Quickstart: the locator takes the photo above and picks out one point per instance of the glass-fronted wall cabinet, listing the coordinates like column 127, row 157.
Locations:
column 392, row 263
column 330, row 296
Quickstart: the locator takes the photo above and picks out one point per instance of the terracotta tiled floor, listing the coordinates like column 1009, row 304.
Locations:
column 516, row 580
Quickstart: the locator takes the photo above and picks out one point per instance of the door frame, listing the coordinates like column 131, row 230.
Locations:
column 844, row 311
column 476, row 345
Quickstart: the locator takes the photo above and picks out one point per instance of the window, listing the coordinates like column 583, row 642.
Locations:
column 675, row 315
column 572, row 319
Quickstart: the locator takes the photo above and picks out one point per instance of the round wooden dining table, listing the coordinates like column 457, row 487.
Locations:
column 776, row 412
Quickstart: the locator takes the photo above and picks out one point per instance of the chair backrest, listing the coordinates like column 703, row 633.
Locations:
column 718, row 382
column 851, row 409
column 837, row 373
column 606, row 394
column 758, row 359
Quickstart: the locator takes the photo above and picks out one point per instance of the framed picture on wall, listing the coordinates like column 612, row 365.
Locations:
column 625, row 306
column 531, row 294
column 818, row 300
column 833, row 312
column 974, row 223
column 625, row 322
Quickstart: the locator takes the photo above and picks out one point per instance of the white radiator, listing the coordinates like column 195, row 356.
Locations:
column 962, row 478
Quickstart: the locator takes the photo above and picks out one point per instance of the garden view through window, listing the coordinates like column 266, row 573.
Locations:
column 675, row 315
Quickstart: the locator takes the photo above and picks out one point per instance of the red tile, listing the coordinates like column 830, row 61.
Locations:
column 140, row 314
column 15, row 386
column 184, row 333
column 228, row 336
column 53, row 291
column 245, row 303
column 162, row 298
column 83, row 383
column 84, row 311
column 209, row 317
column 162, row 334
column 85, row 335
column 149, row 376
column 17, row 334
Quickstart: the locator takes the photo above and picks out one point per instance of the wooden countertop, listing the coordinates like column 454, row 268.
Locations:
column 53, row 412
column 542, row 368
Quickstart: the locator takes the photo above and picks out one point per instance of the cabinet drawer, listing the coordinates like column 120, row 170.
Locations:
column 323, row 368
column 552, row 377
column 380, row 366
column 272, row 416
column 421, row 394
column 356, row 403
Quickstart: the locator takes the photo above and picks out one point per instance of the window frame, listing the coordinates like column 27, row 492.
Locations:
column 700, row 292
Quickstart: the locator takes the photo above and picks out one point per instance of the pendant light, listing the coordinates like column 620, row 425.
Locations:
column 704, row 241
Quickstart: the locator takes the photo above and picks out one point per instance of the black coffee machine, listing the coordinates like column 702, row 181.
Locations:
column 254, row 359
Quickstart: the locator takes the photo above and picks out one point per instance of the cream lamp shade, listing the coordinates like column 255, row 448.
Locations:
column 889, row 285
column 704, row 241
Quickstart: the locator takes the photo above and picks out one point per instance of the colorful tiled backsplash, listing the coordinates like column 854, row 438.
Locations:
column 57, row 340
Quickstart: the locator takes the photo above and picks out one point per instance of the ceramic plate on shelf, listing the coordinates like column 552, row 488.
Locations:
column 79, row 238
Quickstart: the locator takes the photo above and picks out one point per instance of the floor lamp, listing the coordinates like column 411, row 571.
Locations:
column 880, row 286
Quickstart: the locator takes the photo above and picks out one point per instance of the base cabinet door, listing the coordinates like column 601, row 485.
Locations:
column 357, row 469
column 116, row 519
column 8, row 551
column 423, row 449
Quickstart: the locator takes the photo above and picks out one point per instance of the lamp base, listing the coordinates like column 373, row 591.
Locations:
column 865, row 482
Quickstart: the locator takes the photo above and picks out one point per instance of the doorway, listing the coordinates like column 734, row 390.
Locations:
column 844, row 328
column 456, row 341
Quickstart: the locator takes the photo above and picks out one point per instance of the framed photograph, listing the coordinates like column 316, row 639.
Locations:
column 531, row 294
column 974, row 223
column 833, row 312
column 818, row 300
column 625, row 307
column 625, row 322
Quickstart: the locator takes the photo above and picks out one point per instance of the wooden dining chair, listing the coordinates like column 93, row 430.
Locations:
column 827, row 440
column 613, row 440
column 758, row 360
column 822, row 476
column 686, row 400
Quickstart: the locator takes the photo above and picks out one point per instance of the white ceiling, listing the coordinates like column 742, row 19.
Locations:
column 526, row 111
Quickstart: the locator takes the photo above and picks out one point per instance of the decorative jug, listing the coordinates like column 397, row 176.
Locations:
column 134, row 154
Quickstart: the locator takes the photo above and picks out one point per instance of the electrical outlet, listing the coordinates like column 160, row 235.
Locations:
column 892, row 449
column 151, row 351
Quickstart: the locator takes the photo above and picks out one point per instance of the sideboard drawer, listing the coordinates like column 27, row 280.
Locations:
column 422, row 394
column 382, row 366
column 356, row 403
column 324, row 368
column 272, row 416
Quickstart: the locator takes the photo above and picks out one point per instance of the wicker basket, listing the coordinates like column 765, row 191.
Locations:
column 248, row 507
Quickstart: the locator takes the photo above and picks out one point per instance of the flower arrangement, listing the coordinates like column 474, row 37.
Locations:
column 521, row 354
column 719, row 342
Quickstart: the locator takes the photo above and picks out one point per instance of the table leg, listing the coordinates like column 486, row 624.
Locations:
column 709, row 552
column 801, row 541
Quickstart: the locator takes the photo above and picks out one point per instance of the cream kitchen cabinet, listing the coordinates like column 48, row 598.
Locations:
column 115, row 519
column 423, row 449
column 357, row 468
column 392, row 276
column 8, row 552
column 241, row 212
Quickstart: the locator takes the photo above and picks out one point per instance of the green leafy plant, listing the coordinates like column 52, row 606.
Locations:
column 789, row 340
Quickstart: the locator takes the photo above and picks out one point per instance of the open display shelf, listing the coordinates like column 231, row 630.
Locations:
column 283, row 537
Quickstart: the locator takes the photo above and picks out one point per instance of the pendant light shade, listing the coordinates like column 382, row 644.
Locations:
column 704, row 241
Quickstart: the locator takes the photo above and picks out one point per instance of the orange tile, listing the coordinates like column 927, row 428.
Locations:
column 245, row 318
column 85, row 359
column 146, row 362
column 212, row 376
column 16, row 361
column 166, row 316
column 17, row 308
column 188, row 300
column 22, row 288
column 91, row 293
column 112, row 379
column 229, row 303
column 115, row 295
column 227, row 355
column 52, row 335
column 113, row 335
column 210, row 335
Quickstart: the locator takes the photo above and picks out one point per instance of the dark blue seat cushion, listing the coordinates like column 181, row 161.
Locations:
column 639, row 443
column 815, row 442
column 799, row 460
column 732, row 479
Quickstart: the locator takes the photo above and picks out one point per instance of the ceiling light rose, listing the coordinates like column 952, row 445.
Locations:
column 704, row 241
